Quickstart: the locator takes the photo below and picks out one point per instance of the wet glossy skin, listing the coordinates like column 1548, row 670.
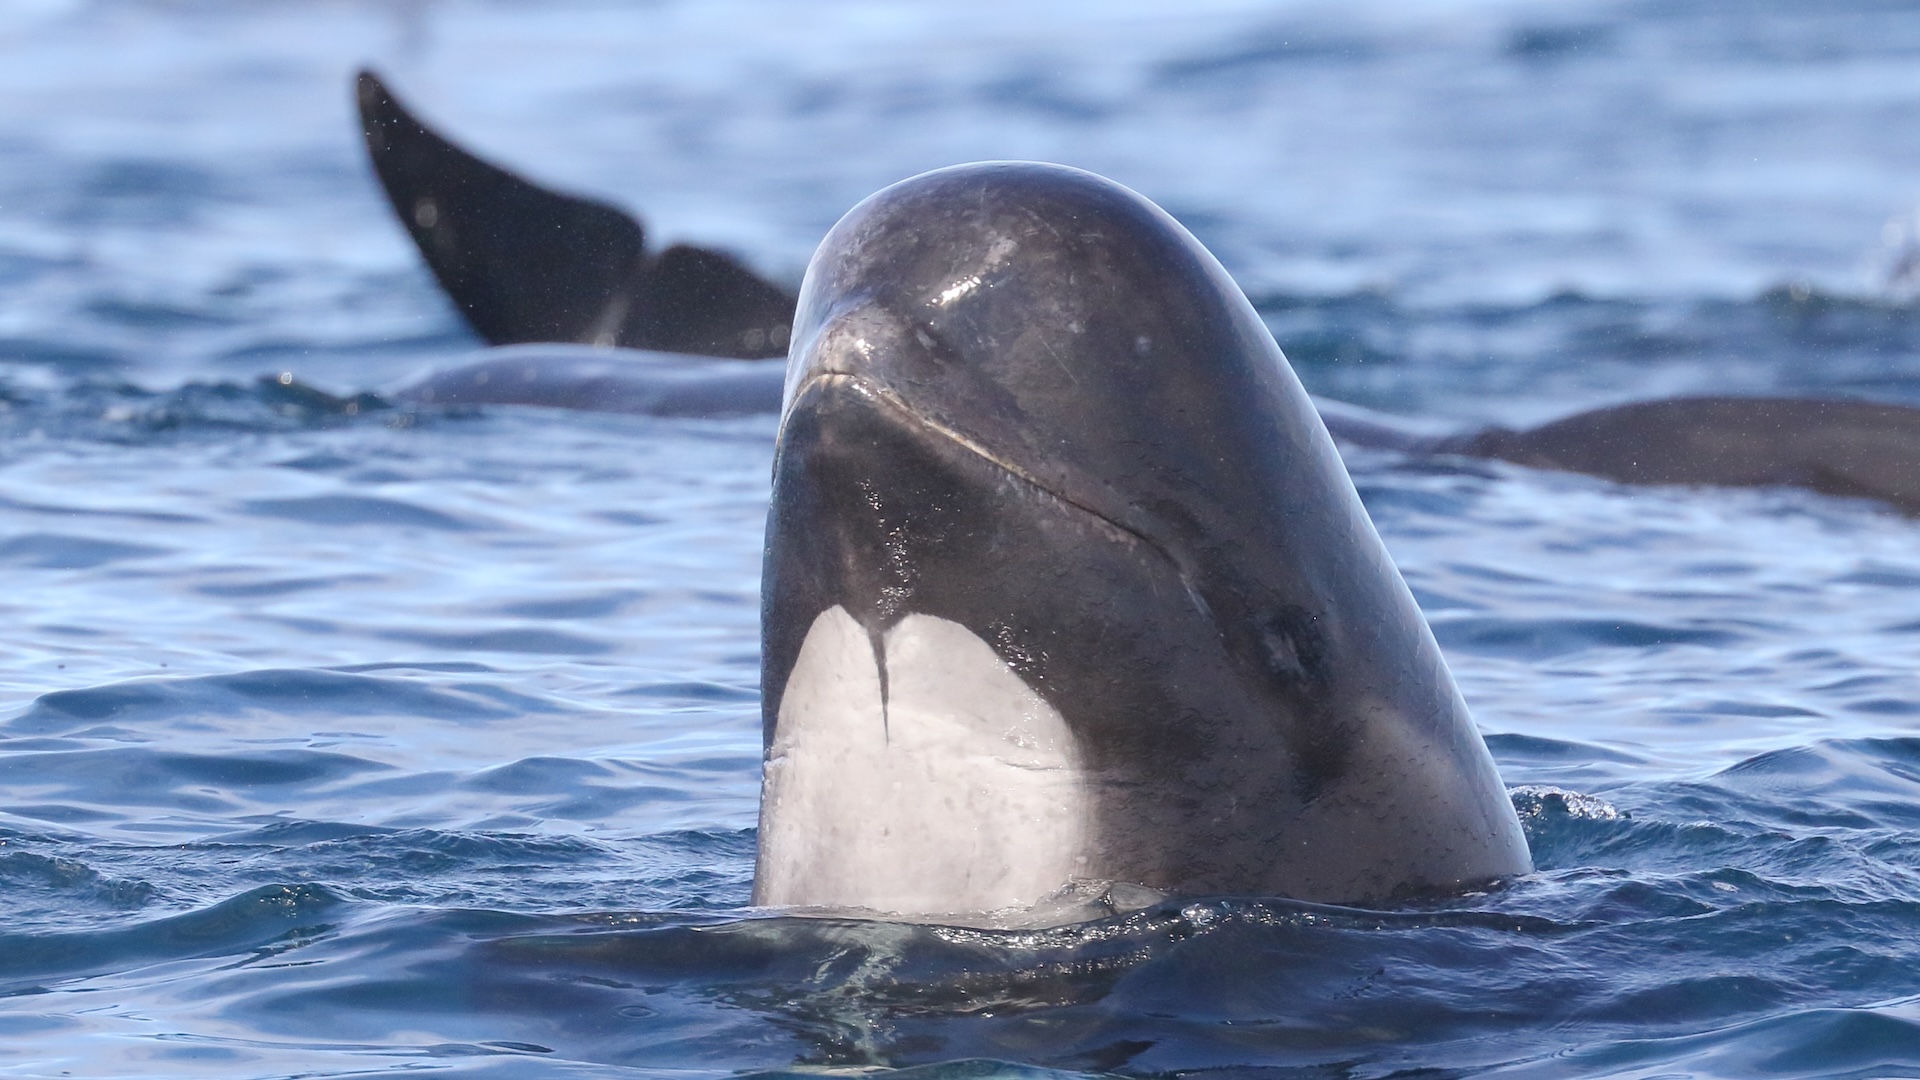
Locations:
column 1024, row 399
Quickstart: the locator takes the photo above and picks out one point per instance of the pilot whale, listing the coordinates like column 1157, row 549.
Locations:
column 525, row 264
column 1065, row 581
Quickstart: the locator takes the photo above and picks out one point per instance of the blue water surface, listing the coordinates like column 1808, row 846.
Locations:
column 341, row 738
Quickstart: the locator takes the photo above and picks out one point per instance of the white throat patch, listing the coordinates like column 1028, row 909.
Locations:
column 964, row 794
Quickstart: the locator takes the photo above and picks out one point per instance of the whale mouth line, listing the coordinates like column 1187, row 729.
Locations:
column 887, row 399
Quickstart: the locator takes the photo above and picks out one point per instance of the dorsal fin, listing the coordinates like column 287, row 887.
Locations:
column 520, row 262
column 526, row 264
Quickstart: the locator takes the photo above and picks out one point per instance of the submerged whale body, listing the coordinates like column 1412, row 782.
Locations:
column 525, row 264
column 1065, row 581
column 604, row 380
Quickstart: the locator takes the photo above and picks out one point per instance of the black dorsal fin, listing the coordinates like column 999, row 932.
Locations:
column 520, row 262
column 526, row 264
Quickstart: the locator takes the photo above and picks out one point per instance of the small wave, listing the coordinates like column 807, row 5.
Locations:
column 693, row 870
column 1566, row 828
column 1571, row 351
column 1844, row 783
column 1540, row 750
column 61, row 356
column 56, row 551
column 699, row 693
column 964, row 1069
column 350, row 510
column 256, row 919
column 288, row 690
column 117, row 412
column 1869, row 1040
column 1536, row 802
column 29, row 875
column 1540, row 639
column 191, row 783
column 537, row 641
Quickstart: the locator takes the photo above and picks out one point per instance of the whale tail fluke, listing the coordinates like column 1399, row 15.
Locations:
column 525, row 264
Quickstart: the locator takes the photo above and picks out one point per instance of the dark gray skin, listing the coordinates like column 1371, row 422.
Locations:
column 1860, row 449
column 1024, row 399
column 1853, row 448
column 526, row 264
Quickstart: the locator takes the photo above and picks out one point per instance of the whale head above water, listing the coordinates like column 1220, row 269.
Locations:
column 1065, row 582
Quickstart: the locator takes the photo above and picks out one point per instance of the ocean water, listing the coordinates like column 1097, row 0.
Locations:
column 342, row 738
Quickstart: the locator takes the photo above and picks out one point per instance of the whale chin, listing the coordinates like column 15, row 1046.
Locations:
column 917, row 776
